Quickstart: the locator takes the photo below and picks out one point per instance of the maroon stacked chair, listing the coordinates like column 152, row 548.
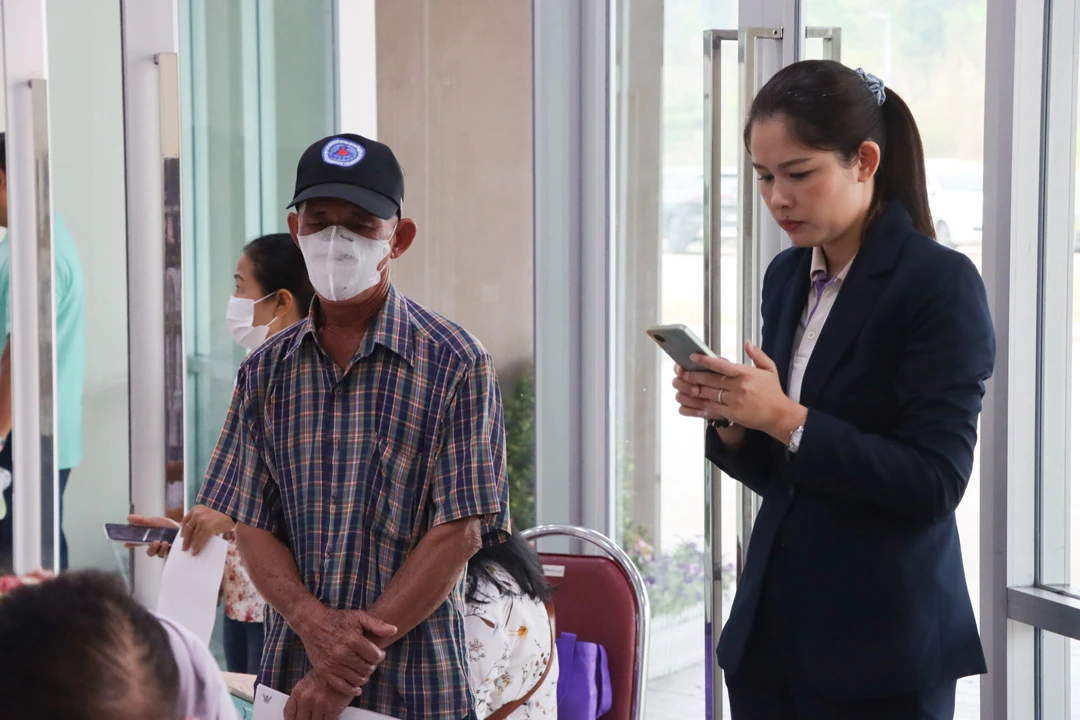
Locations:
column 602, row 599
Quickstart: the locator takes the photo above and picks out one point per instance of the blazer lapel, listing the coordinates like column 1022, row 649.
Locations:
column 779, row 336
column 859, row 294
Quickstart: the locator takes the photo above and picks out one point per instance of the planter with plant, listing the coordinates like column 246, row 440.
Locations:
column 519, row 416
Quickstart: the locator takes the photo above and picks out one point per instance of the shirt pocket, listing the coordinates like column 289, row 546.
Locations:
column 391, row 491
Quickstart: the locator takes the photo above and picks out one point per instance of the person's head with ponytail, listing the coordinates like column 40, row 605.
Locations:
column 832, row 147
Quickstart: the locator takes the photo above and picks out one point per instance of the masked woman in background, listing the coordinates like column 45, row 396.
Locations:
column 272, row 293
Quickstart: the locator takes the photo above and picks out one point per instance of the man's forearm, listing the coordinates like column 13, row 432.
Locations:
column 425, row 580
column 272, row 568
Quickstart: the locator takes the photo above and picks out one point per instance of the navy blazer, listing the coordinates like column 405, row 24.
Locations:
column 865, row 509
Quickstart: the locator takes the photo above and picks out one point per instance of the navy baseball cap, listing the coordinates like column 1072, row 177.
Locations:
column 354, row 169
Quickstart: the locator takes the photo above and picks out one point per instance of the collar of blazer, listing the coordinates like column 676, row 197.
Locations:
column 861, row 290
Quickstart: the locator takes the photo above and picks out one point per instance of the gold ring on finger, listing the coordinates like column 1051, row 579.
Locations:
column 720, row 397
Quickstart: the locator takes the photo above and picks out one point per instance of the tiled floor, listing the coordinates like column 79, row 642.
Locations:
column 681, row 696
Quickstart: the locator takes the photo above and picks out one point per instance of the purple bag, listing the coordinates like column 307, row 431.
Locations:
column 584, row 690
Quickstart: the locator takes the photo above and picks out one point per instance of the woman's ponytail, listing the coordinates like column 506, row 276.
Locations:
column 902, row 174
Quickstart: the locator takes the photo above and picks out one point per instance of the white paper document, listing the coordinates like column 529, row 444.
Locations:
column 190, row 584
column 270, row 705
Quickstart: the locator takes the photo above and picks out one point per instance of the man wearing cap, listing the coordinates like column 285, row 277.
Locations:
column 363, row 460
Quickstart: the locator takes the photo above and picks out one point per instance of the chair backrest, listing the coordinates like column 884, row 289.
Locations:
column 602, row 599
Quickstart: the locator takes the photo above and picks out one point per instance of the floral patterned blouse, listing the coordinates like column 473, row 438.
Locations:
column 509, row 640
column 242, row 601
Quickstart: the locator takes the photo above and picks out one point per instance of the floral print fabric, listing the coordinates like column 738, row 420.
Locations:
column 509, row 640
column 242, row 601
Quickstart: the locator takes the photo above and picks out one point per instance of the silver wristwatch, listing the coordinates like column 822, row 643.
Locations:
column 796, row 438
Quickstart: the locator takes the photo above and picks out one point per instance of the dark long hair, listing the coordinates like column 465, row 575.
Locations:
column 518, row 558
column 827, row 106
column 279, row 265
column 79, row 647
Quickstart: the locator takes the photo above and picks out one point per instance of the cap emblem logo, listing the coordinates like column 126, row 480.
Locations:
column 343, row 153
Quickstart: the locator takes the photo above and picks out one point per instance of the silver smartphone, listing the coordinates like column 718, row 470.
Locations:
column 680, row 342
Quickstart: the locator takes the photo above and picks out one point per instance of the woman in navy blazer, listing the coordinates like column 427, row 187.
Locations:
column 857, row 421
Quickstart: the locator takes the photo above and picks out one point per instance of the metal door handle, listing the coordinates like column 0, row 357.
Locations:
column 173, row 255
column 50, row 501
column 746, row 248
column 749, row 300
column 830, row 37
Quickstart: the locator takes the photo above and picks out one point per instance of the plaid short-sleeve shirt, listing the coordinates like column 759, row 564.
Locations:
column 350, row 469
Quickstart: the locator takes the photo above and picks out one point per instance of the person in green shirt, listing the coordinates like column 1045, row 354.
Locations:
column 70, row 359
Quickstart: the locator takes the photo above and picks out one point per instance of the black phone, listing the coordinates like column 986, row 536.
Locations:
column 139, row 534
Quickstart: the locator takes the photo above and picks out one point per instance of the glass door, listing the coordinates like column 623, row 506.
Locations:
column 692, row 244
column 29, row 514
column 662, row 256
column 258, row 86
column 63, row 151
column 737, row 60
column 90, row 245
column 859, row 33
column 907, row 44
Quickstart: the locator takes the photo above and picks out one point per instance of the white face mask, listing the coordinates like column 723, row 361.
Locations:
column 342, row 264
column 240, row 319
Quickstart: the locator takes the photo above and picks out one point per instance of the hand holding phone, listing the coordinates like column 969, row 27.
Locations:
column 139, row 534
column 680, row 343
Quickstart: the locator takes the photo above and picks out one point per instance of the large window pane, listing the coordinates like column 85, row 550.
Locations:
column 660, row 265
column 1070, row 543
column 1073, row 678
column 258, row 88
column 87, row 117
column 1060, row 662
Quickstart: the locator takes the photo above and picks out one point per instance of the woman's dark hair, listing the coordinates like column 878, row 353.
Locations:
column 279, row 265
column 827, row 106
column 78, row 647
column 518, row 558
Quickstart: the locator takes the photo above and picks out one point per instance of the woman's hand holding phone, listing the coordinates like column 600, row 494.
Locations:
column 198, row 526
column 750, row 396
column 693, row 390
column 158, row 548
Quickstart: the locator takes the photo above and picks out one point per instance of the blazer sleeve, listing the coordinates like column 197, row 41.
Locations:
column 922, row 468
column 751, row 464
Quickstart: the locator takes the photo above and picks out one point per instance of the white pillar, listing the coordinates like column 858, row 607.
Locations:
column 356, row 78
column 33, row 326
column 150, row 29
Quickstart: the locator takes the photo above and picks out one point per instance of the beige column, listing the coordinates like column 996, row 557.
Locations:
column 639, row 52
column 455, row 104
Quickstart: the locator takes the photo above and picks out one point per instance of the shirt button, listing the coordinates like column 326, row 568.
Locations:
column 811, row 334
column 337, row 392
